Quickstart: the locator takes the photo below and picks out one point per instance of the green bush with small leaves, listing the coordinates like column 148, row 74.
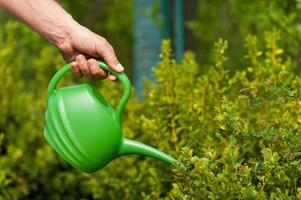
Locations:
column 237, row 133
column 235, row 19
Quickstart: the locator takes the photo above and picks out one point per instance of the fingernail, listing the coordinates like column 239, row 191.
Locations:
column 119, row 67
column 80, row 59
column 112, row 77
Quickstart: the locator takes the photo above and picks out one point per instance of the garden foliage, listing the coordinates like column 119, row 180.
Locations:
column 237, row 133
column 235, row 19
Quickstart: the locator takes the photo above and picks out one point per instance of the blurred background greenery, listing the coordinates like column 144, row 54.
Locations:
column 230, row 110
column 204, row 23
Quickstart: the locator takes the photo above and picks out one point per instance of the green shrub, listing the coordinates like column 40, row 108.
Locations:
column 235, row 19
column 236, row 132
column 242, row 128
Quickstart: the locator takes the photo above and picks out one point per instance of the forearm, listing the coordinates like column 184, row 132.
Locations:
column 45, row 16
column 73, row 40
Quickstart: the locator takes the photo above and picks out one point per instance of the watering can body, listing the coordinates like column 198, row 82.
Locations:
column 84, row 128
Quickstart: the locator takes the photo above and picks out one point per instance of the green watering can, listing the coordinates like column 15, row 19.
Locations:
column 83, row 127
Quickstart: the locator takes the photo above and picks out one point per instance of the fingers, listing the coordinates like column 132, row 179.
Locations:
column 75, row 69
column 106, row 51
column 111, row 77
column 89, row 68
column 95, row 70
column 83, row 65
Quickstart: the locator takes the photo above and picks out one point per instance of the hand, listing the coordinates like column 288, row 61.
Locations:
column 81, row 42
column 73, row 40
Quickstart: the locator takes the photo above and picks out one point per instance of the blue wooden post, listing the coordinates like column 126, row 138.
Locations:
column 149, row 29
column 178, row 29
column 148, row 34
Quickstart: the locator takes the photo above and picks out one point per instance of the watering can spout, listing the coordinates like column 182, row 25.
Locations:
column 133, row 147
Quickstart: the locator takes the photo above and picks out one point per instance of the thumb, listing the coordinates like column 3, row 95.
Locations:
column 108, row 54
column 112, row 61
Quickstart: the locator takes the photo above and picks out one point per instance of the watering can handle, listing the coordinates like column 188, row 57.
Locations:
column 121, row 76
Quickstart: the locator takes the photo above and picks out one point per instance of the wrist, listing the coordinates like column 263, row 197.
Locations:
column 64, row 33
